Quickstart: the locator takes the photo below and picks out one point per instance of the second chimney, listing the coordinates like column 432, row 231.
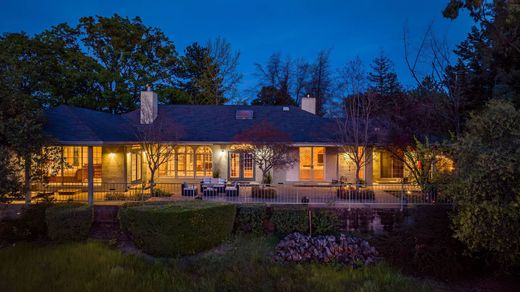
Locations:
column 309, row 104
column 149, row 107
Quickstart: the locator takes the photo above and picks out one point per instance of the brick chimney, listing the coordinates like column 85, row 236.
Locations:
column 309, row 104
column 149, row 107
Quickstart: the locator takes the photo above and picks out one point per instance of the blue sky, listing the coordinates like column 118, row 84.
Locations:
column 259, row 28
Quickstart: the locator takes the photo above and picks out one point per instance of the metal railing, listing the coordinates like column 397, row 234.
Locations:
column 391, row 195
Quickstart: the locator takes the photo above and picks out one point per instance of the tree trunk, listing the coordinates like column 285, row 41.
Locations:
column 152, row 183
column 27, row 179
column 357, row 177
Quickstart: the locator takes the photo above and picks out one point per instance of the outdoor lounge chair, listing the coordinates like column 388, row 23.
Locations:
column 209, row 191
column 188, row 190
column 218, row 184
column 233, row 190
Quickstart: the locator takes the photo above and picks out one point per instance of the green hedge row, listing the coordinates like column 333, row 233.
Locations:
column 182, row 228
column 68, row 222
column 285, row 219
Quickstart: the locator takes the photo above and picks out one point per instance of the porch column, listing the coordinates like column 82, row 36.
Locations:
column 369, row 170
column 90, row 179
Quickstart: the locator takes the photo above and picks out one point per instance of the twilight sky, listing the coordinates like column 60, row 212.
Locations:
column 258, row 28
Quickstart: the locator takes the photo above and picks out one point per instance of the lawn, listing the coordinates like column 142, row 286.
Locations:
column 242, row 264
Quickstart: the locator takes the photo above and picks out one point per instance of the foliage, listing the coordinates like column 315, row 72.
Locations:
column 200, row 76
column 325, row 222
column 10, row 180
column 262, row 192
column 22, row 95
column 250, row 218
column 29, row 226
column 290, row 219
column 269, row 95
column 245, row 265
column 383, row 79
column 485, row 183
column 68, row 222
column 161, row 193
column 488, row 60
column 176, row 229
column 426, row 247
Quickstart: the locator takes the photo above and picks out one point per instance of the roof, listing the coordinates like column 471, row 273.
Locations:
column 197, row 123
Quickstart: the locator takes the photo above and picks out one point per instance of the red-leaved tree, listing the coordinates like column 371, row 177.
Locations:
column 269, row 146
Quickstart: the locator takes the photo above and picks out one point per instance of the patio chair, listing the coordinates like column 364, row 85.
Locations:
column 188, row 190
column 209, row 191
column 233, row 190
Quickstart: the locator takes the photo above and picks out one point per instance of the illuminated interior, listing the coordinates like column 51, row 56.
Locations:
column 75, row 165
column 241, row 164
column 186, row 162
column 312, row 163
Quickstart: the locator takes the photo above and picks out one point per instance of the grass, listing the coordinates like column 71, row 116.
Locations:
column 240, row 265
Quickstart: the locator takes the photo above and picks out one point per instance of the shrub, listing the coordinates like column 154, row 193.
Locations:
column 161, row 193
column 30, row 226
column 250, row 219
column 427, row 247
column 263, row 192
column 181, row 228
column 68, row 221
column 293, row 219
column 484, row 185
column 325, row 222
column 115, row 196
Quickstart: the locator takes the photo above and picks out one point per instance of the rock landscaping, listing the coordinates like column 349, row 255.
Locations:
column 297, row 247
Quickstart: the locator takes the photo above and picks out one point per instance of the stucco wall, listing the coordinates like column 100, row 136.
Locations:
column 113, row 168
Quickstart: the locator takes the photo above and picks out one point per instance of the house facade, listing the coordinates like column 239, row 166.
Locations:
column 205, row 140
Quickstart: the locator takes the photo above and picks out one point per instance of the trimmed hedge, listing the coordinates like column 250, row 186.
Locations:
column 325, row 222
column 263, row 192
column 250, row 218
column 176, row 229
column 290, row 219
column 68, row 222
column 29, row 226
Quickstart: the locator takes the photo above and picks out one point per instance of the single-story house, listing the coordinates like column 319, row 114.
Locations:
column 205, row 145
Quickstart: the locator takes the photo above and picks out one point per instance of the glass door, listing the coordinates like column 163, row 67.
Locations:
column 312, row 163
column 241, row 166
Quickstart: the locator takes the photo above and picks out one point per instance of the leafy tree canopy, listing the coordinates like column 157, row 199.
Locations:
column 485, row 183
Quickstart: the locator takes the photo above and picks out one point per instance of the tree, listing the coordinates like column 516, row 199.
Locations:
column 355, row 128
column 21, row 117
column 302, row 74
column 269, row 95
column 275, row 81
column 200, row 76
column 157, row 152
column 269, row 146
column 490, row 55
column 383, row 79
column 484, row 184
column 10, row 180
column 108, row 60
column 227, row 60
column 320, row 84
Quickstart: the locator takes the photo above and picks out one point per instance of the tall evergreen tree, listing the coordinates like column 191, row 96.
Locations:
column 200, row 76
column 489, row 58
column 383, row 79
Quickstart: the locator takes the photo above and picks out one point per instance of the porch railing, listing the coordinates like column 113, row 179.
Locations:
column 391, row 195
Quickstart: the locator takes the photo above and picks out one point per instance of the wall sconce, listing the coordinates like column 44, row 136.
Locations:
column 112, row 155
